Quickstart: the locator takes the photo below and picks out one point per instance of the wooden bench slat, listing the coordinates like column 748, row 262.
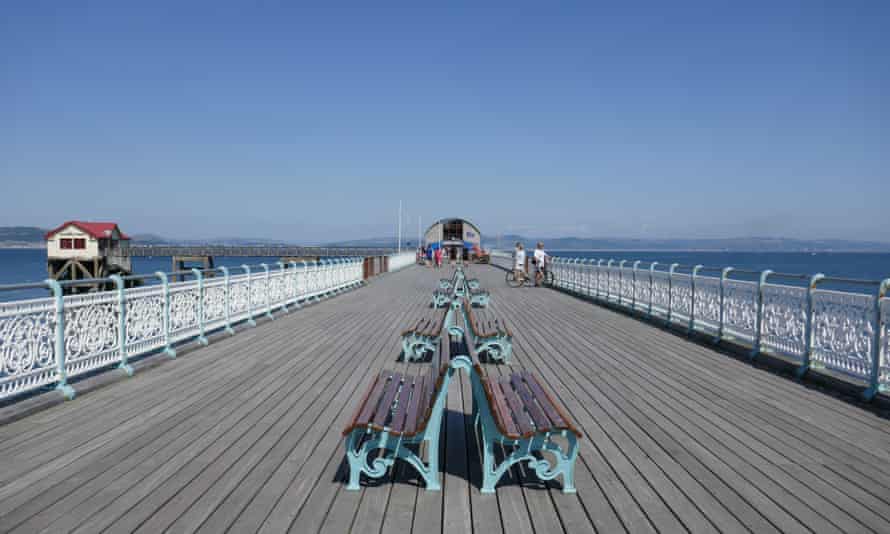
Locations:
column 519, row 416
column 500, row 410
column 385, row 407
column 543, row 400
column 566, row 421
column 528, row 400
column 414, row 408
column 398, row 417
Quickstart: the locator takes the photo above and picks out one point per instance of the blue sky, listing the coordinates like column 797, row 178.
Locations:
column 280, row 120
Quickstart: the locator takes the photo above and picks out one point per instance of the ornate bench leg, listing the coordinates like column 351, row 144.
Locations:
column 394, row 448
column 497, row 349
column 415, row 348
column 544, row 468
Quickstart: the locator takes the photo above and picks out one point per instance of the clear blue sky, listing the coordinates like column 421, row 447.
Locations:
column 272, row 119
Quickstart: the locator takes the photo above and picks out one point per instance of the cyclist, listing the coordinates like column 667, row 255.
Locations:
column 540, row 261
column 519, row 262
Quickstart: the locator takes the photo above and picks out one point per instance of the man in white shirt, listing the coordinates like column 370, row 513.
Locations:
column 519, row 261
column 540, row 259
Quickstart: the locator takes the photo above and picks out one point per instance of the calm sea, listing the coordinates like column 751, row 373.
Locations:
column 29, row 265
column 18, row 266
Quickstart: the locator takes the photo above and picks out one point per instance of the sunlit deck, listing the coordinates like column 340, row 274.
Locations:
column 244, row 435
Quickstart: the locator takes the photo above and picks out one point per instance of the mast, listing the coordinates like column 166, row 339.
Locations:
column 400, row 227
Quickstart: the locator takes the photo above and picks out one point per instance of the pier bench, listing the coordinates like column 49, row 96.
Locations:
column 488, row 334
column 445, row 283
column 479, row 297
column 441, row 298
column 422, row 336
column 473, row 283
column 517, row 412
column 399, row 413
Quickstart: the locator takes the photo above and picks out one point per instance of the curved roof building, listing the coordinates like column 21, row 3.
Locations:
column 457, row 237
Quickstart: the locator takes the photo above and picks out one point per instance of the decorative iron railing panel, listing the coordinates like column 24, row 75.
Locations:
column 27, row 345
column 145, row 319
column 740, row 309
column 681, row 297
column 884, row 361
column 843, row 332
column 45, row 341
column 92, row 334
column 660, row 293
column 707, row 304
column 783, row 325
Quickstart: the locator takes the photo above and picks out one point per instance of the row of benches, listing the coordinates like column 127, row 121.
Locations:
column 490, row 334
column 459, row 286
column 400, row 413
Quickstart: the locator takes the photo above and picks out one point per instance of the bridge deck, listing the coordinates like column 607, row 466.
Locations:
column 244, row 435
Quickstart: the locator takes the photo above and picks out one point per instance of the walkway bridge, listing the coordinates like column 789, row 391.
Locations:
column 244, row 435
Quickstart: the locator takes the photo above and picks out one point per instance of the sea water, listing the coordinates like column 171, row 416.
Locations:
column 29, row 265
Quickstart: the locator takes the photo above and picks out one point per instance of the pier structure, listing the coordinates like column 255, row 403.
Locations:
column 87, row 250
column 244, row 434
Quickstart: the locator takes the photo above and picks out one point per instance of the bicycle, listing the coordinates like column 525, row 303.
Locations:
column 524, row 279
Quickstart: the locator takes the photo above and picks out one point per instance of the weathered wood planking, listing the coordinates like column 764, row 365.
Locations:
column 245, row 435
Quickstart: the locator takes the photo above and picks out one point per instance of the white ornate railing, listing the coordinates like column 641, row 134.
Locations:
column 46, row 341
column 845, row 333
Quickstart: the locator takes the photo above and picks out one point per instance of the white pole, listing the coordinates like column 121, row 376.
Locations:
column 419, row 235
column 400, row 227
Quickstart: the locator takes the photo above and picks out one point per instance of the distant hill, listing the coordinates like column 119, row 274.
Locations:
column 22, row 234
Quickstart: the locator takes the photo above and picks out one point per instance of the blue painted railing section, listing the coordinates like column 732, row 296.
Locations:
column 846, row 333
column 46, row 341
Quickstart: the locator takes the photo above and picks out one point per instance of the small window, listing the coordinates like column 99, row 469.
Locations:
column 80, row 243
column 65, row 243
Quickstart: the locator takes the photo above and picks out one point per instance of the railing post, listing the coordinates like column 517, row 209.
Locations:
column 651, row 286
column 758, row 320
column 304, row 287
column 122, row 323
column 61, row 366
column 293, row 267
column 633, row 292
column 670, row 310
column 609, row 279
column 250, row 320
column 808, row 326
column 723, row 276
column 168, row 347
column 620, row 280
column 283, row 286
column 695, row 271
column 229, row 329
column 268, row 292
column 587, row 270
column 874, row 386
column 599, row 267
column 202, row 339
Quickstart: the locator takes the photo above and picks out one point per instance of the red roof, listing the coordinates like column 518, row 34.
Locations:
column 99, row 230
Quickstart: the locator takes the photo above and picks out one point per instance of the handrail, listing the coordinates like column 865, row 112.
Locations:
column 843, row 333
column 45, row 341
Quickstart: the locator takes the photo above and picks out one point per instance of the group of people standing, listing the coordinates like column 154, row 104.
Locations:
column 539, row 260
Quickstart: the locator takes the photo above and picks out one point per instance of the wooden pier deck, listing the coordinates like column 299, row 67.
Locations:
column 244, row 435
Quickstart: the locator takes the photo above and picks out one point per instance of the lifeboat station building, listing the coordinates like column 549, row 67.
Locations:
column 458, row 238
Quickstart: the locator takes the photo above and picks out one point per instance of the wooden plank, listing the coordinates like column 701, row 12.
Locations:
column 398, row 417
column 542, row 423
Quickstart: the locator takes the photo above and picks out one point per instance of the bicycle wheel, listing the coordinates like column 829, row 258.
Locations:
column 512, row 281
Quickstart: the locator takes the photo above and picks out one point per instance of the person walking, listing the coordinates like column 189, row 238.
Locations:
column 519, row 262
column 540, row 261
column 438, row 254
